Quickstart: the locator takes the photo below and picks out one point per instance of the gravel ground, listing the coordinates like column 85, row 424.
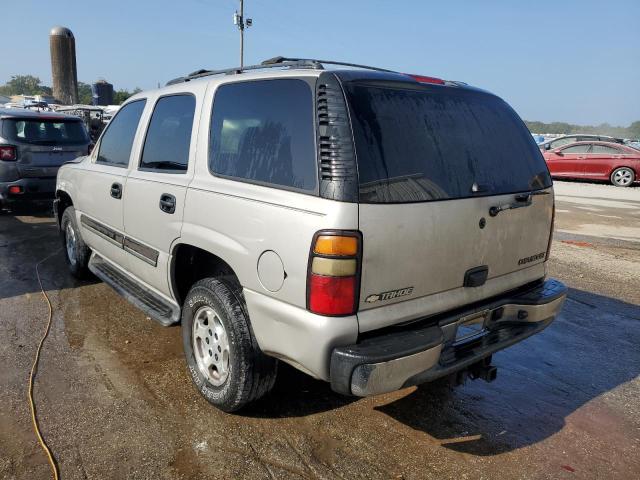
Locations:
column 115, row 401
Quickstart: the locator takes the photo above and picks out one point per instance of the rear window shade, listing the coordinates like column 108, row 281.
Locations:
column 44, row 131
column 438, row 143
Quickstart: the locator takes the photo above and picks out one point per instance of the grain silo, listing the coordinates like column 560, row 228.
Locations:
column 63, row 65
column 102, row 92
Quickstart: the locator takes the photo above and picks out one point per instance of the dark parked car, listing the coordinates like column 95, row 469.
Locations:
column 33, row 145
column 560, row 141
column 613, row 162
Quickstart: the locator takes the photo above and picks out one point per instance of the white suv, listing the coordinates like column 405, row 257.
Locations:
column 371, row 228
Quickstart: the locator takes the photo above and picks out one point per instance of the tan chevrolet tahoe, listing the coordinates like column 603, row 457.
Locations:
column 371, row 228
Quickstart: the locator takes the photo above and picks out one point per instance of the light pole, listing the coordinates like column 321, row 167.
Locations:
column 238, row 19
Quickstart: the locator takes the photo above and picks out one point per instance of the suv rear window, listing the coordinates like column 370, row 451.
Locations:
column 44, row 132
column 435, row 143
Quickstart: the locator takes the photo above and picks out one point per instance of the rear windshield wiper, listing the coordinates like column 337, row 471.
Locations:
column 522, row 200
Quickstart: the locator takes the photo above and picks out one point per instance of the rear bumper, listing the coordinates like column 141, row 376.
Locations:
column 32, row 189
column 411, row 356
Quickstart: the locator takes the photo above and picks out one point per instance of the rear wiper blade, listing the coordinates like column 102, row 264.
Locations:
column 522, row 200
column 525, row 196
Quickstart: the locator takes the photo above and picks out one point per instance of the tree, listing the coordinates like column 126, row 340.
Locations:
column 85, row 97
column 562, row 128
column 121, row 95
column 23, row 85
column 634, row 130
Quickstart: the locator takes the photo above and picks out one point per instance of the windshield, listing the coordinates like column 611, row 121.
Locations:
column 436, row 143
column 44, row 132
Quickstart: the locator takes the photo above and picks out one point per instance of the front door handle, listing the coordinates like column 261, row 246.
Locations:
column 167, row 203
column 116, row 190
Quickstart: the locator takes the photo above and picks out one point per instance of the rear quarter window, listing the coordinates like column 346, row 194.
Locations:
column 263, row 132
column 606, row 150
column 438, row 143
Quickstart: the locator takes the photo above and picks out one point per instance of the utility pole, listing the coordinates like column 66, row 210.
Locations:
column 238, row 19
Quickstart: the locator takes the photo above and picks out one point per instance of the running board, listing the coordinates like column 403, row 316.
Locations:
column 150, row 303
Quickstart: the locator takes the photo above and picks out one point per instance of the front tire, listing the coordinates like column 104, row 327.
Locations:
column 623, row 177
column 223, row 358
column 77, row 253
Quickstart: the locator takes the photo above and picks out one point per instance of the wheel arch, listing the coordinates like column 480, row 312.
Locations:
column 190, row 263
column 63, row 201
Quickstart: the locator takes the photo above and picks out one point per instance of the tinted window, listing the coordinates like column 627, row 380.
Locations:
column 605, row 149
column 435, row 143
column 116, row 142
column 577, row 149
column 45, row 132
column 263, row 132
column 166, row 146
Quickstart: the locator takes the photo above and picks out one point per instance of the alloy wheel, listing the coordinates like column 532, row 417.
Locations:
column 210, row 345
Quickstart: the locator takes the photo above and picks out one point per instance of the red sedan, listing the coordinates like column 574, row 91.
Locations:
column 612, row 162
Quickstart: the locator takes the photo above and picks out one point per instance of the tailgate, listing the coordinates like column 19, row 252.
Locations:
column 44, row 161
column 433, row 161
column 411, row 251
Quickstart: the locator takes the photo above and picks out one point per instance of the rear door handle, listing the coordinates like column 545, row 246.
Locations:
column 116, row 190
column 167, row 203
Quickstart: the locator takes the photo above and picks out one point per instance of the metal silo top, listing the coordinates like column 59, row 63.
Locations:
column 61, row 31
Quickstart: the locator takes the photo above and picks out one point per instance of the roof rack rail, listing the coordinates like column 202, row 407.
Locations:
column 301, row 63
column 275, row 62
column 320, row 63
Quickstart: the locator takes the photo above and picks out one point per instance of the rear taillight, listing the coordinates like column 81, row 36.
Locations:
column 425, row 79
column 333, row 277
column 553, row 221
column 7, row 153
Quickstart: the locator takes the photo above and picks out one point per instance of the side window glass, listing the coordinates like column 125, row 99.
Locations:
column 576, row 149
column 116, row 142
column 605, row 149
column 263, row 132
column 166, row 146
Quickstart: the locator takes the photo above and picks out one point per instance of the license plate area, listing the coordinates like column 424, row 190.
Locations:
column 471, row 326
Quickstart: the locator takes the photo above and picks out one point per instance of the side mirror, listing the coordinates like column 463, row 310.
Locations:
column 547, row 146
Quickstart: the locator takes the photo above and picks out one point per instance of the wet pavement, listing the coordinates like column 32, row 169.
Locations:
column 115, row 401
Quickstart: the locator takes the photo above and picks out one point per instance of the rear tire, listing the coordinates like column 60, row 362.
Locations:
column 223, row 357
column 76, row 251
column 623, row 177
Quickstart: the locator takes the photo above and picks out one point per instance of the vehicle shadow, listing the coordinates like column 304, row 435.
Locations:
column 540, row 383
column 28, row 235
column 296, row 394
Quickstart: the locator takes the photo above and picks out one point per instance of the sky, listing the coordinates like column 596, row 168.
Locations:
column 571, row 61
